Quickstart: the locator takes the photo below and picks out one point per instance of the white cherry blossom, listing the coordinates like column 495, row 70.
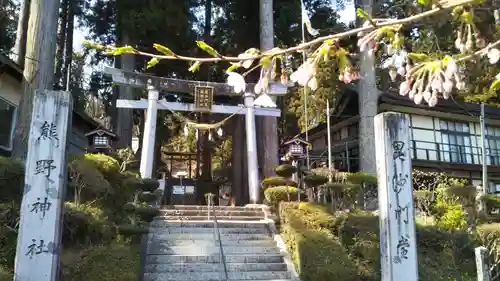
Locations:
column 418, row 98
column 451, row 69
column 493, row 55
column 412, row 93
column 426, row 95
column 246, row 63
column 313, row 84
column 404, row 88
column 393, row 74
column 303, row 74
column 433, row 100
column 264, row 100
column 402, row 71
column 447, row 86
column 236, row 81
column 437, row 84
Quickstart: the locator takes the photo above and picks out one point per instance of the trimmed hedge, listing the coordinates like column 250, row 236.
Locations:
column 276, row 181
column 285, row 170
column 345, row 246
column 274, row 195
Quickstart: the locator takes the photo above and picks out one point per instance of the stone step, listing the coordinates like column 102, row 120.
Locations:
column 191, row 230
column 168, row 259
column 161, row 222
column 210, row 242
column 214, row 267
column 218, row 213
column 216, row 276
column 204, row 207
column 209, row 236
column 211, row 250
column 202, row 218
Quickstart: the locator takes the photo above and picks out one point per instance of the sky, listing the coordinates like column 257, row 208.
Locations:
column 346, row 15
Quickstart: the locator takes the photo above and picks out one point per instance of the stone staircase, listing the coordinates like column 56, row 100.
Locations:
column 183, row 245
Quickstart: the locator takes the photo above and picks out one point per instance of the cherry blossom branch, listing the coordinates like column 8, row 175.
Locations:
column 169, row 55
column 480, row 52
column 427, row 80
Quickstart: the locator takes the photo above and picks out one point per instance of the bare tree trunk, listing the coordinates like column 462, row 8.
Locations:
column 38, row 71
column 22, row 32
column 68, row 52
column 124, row 115
column 208, row 19
column 368, row 102
column 113, row 111
column 204, row 141
column 61, row 40
column 268, row 125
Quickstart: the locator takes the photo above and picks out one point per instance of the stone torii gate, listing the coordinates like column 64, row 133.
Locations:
column 153, row 104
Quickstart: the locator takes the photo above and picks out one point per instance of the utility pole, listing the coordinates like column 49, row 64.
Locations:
column 306, row 122
column 484, row 156
column 329, row 139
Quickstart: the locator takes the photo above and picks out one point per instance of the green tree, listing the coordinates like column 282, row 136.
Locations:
column 8, row 20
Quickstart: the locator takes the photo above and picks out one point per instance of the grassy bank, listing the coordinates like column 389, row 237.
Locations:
column 92, row 249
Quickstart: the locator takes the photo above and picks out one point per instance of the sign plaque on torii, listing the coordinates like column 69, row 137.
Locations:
column 203, row 103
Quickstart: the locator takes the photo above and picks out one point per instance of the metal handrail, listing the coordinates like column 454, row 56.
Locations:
column 217, row 235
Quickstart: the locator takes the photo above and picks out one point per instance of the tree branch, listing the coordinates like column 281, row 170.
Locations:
column 444, row 5
column 480, row 52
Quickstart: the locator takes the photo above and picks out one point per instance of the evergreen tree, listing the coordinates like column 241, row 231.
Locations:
column 8, row 20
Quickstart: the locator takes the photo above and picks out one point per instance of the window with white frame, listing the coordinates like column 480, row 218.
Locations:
column 494, row 188
column 100, row 141
column 493, row 145
column 7, row 123
column 456, row 142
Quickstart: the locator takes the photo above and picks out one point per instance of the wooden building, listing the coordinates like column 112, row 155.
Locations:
column 445, row 138
column 11, row 76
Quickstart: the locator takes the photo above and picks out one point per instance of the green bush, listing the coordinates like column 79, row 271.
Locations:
column 8, row 242
column 107, row 165
column 316, row 253
column 492, row 202
column 5, row 274
column 114, row 262
column 274, row 195
column 85, row 225
column 276, row 181
column 314, row 180
column 449, row 215
column 87, row 181
column 361, row 178
column 147, row 213
column 11, row 179
column 150, row 185
column 345, row 246
column 489, row 236
column 285, row 170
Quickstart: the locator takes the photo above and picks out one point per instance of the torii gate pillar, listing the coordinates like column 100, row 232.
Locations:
column 148, row 146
